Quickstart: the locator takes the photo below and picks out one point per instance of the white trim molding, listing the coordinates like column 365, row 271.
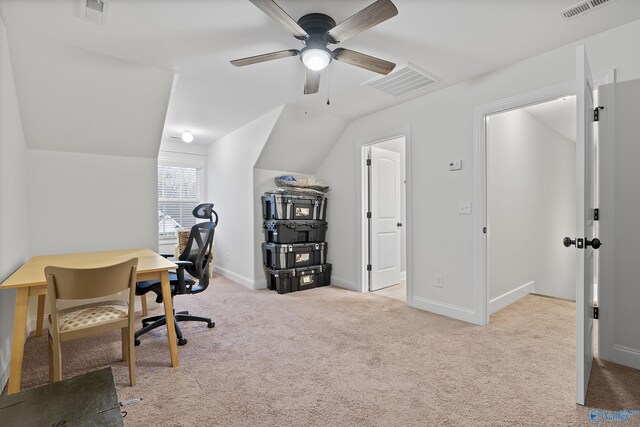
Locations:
column 344, row 283
column 625, row 356
column 238, row 278
column 498, row 303
column 444, row 309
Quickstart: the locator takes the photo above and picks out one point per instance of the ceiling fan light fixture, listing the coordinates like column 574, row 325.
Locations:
column 187, row 136
column 315, row 59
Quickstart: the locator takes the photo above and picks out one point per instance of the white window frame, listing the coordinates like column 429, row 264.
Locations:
column 184, row 160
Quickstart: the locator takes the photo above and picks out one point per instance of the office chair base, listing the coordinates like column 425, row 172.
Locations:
column 151, row 323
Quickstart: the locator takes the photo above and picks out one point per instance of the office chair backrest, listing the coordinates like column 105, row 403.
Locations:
column 198, row 248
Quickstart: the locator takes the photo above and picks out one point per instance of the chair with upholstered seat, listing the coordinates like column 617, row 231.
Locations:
column 73, row 284
column 194, row 259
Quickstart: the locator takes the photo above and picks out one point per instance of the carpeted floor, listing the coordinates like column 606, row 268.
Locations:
column 331, row 357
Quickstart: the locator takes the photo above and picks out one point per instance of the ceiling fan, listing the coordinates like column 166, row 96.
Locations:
column 316, row 31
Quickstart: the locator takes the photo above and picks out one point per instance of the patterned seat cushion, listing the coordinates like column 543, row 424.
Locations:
column 87, row 315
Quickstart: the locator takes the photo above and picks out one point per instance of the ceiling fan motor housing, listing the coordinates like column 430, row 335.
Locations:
column 316, row 25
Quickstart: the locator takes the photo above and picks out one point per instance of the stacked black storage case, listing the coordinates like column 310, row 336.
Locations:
column 294, row 252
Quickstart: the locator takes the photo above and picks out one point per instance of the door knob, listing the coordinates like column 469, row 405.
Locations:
column 596, row 243
column 568, row 242
column 399, row 224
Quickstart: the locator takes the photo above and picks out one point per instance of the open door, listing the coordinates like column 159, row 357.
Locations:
column 385, row 218
column 585, row 242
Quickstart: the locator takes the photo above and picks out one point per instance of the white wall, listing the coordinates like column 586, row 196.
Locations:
column 530, row 207
column 72, row 99
column 87, row 202
column 442, row 128
column 619, row 230
column 397, row 145
column 300, row 139
column 230, row 165
column 13, row 199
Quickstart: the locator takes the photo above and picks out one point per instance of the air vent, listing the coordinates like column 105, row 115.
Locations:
column 404, row 80
column 582, row 8
column 92, row 10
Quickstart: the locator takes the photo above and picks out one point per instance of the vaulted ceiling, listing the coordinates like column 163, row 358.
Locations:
column 451, row 39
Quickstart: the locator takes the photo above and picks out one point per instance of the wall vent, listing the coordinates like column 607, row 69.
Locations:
column 92, row 10
column 404, row 80
column 581, row 8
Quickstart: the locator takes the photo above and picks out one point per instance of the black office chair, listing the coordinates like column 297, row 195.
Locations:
column 195, row 260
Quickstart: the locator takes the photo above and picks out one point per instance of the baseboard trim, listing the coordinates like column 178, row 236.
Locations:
column 259, row 284
column 444, row 309
column 626, row 356
column 344, row 283
column 238, row 278
column 512, row 296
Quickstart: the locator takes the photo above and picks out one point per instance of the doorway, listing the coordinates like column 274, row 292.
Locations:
column 530, row 201
column 385, row 218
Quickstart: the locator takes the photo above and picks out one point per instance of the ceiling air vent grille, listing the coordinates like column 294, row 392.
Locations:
column 404, row 80
column 92, row 10
column 582, row 7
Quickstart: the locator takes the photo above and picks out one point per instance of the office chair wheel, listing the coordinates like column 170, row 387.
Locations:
column 211, row 325
column 136, row 342
column 182, row 341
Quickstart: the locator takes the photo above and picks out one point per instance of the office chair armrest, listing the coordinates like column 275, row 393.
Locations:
column 167, row 255
column 182, row 287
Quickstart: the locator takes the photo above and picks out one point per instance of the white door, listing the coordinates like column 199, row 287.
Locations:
column 585, row 191
column 385, row 218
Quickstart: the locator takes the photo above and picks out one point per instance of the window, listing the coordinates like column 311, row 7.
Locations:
column 179, row 192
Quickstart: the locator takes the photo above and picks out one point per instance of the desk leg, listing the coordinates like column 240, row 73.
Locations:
column 40, row 317
column 143, row 301
column 17, row 342
column 168, row 311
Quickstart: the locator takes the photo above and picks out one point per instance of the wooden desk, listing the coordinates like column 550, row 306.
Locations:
column 29, row 280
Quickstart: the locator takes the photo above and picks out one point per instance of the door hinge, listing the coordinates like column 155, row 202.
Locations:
column 368, row 162
column 368, row 267
column 596, row 312
column 368, row 215
column 596, row 113
column 596, row 214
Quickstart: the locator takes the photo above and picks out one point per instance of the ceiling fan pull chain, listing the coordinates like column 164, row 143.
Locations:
column 328, row 87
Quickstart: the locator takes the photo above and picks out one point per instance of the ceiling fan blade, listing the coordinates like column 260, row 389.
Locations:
column 363, row 61
column 371, row 15
column 264, row 57
column 311, row 81
column 279, row 15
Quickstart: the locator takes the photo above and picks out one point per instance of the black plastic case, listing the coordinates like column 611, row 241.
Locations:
column 298, row 279
column 294, row 255
column 290, row 231
column 298, row 207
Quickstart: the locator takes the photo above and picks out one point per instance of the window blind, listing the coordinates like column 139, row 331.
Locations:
column 179, row 192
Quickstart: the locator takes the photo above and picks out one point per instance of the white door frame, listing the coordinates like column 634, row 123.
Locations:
column 568, row 88
column 363, row 274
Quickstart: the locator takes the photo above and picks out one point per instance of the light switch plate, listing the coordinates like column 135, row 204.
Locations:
column 464, row 207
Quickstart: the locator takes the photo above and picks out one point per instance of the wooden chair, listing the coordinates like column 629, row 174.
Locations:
column 95, row 318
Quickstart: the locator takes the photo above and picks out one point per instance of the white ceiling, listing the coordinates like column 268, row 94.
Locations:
column 559, row 115
column 452, row 39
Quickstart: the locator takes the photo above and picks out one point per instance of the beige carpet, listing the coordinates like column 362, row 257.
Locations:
column 330, row 357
